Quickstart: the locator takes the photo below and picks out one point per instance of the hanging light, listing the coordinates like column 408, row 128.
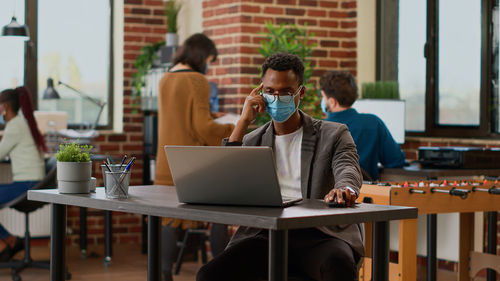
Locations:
column 16, row 29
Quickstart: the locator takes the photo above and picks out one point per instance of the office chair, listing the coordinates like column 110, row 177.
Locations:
column 22, row 204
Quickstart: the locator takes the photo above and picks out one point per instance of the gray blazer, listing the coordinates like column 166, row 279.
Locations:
column 329, row 160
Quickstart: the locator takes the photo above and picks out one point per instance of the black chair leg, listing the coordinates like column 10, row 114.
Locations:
column 181, row 253
column 203, row 248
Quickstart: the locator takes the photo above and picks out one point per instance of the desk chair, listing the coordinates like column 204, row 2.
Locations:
column 22, row 204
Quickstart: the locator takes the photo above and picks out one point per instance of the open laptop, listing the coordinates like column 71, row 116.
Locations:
column 226, row 175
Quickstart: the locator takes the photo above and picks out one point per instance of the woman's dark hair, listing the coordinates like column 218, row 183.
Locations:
column 21, row 98
column 341, row 86
column 11, row 98
column 195, row 51
column 284, row 61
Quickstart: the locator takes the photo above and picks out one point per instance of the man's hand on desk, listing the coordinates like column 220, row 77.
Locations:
column 341, row 196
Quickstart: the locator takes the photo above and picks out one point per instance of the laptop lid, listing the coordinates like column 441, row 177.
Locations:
column 224, row 175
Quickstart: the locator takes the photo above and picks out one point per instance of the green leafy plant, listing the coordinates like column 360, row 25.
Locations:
column 143, row 63
column 73, row 152
column 171, row 11
column 293, row 40
column 380, row 90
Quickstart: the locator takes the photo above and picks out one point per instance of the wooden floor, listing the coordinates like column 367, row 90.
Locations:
column 128, row 264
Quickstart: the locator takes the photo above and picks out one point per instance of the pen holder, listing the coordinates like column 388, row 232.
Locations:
column 114, row 168
column 116, row 184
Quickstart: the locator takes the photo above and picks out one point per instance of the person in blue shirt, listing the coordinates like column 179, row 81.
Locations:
column 373, row 140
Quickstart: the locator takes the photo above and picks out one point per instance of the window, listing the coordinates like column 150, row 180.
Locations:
column 74, row 40
column 459, row 62
column 447, row 65
column 411, row 67
column 11, row 48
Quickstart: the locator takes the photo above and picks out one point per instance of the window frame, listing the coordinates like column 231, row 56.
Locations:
column 489, row 71
column 31, row 61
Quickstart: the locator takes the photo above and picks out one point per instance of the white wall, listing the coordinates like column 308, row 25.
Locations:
column 366, row 40
column 118, row 66
column 190, row 19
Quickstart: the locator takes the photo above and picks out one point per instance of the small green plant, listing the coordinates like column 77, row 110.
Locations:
column 143, row 63
column 73, row 152
column 293, row 40
column 171, row 11
column 380, row 90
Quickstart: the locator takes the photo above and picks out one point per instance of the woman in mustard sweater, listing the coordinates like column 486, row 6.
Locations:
column 184, row 118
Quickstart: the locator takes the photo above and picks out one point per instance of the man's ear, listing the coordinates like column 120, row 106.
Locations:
column 302, row 92
column 332, row 102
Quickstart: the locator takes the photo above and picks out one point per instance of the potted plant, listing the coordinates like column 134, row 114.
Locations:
column 73, row 168
column 171, row 11
column 293, row 39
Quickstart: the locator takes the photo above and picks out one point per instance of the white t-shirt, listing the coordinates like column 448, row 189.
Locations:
column 287, row 152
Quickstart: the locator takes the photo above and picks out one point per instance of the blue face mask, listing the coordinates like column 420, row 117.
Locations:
column 324, row 108
column 280, row 109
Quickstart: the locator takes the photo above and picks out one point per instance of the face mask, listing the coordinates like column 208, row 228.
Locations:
column 281, row 109
column 324, row 108
column 206, row 68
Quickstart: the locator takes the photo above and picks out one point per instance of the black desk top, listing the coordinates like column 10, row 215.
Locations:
column 162, row 201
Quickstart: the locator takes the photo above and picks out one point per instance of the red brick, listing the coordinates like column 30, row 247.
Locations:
column 348, row 24
column 285, row 20
column 348, row 64
column 295, row 12
column 287, row 2
column 273, row 10
column 329, row 4
column 118, row 138
column 328, row 63
column 309, row 22
column 349, row 44
column 316, row 13
column 343, row 54
column 250, row 9
column 139, row 11
column 328, row 23
column 349, row 5
column 329, row 43
column 312, row 3
column 343, row 34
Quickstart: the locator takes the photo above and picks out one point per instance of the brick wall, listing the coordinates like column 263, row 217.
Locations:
column 235, row 28
column 144, row 24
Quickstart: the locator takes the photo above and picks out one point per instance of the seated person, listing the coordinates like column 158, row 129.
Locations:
column 373, row 140
column 314, row 159
column 24, row 144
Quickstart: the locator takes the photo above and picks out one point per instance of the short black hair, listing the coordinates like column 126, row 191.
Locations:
column 11, row 97
column 195, row 51
column 284, row 61
column 341, row 86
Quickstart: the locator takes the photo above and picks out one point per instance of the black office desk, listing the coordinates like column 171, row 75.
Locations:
column 161, row 201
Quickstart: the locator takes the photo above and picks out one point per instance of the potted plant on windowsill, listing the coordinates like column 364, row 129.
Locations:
column 74, row 168
column 171, row 11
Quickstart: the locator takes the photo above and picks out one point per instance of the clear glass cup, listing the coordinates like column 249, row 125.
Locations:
column 116, row 184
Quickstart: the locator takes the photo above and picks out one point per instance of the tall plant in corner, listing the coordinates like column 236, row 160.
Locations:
column 294, row 40
column 172, row 9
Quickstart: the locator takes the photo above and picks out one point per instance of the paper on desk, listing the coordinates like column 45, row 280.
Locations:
column 73, row 134
column 229, row 118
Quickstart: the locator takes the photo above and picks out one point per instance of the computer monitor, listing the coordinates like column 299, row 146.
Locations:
column 392, row 112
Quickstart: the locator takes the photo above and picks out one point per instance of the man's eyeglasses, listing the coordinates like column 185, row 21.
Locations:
column 285, row 96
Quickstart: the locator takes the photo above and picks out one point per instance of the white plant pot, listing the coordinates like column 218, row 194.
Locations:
column 171, row 39
column 73, row 177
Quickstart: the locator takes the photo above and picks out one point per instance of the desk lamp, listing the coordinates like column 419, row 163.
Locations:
column 51, row 93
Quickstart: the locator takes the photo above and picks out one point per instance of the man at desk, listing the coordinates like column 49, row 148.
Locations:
column 373, row 140
column 314, row 159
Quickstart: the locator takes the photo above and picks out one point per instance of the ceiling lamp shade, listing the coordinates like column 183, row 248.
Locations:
column 16, row 29
column 50, row 93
